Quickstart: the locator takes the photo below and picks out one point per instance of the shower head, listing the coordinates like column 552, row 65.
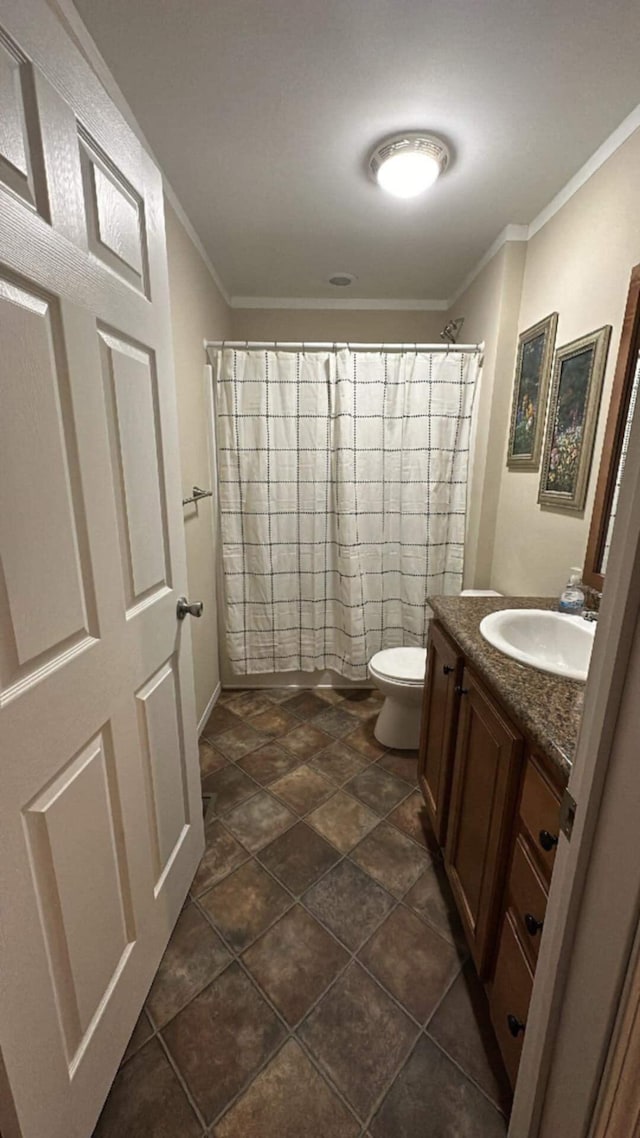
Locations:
column 452, row 330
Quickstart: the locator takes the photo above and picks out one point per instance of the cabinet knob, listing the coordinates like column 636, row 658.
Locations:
column 460, row 690
column 532, row 924
column 447, row 669
column 547, row 840
column 515, row 1025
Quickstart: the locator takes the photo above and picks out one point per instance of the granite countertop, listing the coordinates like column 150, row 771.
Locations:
column 548, row 708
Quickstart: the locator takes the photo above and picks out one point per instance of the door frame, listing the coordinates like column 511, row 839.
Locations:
column 594, row 902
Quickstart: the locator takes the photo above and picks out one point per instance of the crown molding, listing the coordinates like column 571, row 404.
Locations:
column 72, row 20
column 311, row 302
column 69, row 16
column 608, row 148
column 509, row 233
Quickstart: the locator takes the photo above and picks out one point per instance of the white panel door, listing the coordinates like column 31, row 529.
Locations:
column 100, row 815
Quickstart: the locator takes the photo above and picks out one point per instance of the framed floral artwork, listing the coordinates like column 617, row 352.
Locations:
column 578, row 370
column 530, row 387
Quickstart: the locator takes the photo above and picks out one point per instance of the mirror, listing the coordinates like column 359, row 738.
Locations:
column 614, row 450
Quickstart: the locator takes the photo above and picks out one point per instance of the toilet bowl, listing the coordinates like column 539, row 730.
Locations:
column 399, row 674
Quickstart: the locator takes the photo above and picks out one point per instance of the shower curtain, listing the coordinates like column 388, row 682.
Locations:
column 343, row 484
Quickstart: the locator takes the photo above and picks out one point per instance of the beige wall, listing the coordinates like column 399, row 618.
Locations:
column 343, row 325
column 579, row 265
column 490, row 310
column 198, row 312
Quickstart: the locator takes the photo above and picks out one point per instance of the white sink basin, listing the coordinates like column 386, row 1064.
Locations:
column 551, row 641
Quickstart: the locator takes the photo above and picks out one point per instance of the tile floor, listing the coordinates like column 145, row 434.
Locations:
column 317, row 981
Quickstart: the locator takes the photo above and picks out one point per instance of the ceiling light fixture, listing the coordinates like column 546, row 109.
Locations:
column 407, row 164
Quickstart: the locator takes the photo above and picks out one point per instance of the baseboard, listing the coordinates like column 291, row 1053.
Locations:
column 209, row 708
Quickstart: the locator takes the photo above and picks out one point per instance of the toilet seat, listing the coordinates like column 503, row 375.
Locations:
column 404, row 666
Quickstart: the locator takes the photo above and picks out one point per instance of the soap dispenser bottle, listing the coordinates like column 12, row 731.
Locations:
column 572, row 596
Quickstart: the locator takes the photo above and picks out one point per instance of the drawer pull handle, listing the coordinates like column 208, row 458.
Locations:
column 460, row 690
column 533, row 925
column 447, row 669
column 515, row 1025
column 547, row 840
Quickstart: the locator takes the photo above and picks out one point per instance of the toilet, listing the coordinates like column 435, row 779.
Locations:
column 399, row 674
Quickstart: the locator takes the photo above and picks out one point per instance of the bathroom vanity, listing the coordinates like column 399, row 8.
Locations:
column 495, row 755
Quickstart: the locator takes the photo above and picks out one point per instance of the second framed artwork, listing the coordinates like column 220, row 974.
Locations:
column 578, row 371
column 530, row 386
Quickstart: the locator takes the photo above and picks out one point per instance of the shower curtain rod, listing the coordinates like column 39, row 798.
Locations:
column 218, row 345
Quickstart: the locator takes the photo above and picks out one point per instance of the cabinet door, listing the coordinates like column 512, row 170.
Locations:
column 485, row 776
column 438, row 732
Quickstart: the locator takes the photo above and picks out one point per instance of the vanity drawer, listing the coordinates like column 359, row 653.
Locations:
column 540, row 815
column 528, row 898
column 510, row 996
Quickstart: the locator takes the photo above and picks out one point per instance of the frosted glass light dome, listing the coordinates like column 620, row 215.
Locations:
column 408, row 164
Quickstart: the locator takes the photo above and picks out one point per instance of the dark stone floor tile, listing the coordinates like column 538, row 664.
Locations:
column 360, row 1037
column 238, row 742
column 249, row 703
column 259, row 820
column 462, row 1027
column 299, row 857
column 268, row 763
column 411, row 817
column 194, row 956
column 245, row 904
column 221, row 1039
column 338, row 762
column 210, row 758
column 294, row 962
column 220, row 720
column 303, row 789
column 331, row 696
column 289, row 1099
column 227, row 695
column 412, row 961
column 222, row 853
column 139, row 1036
column 335, row 721
column 147, row 1101
column 227, row 788
column 431, row 898
column 404, row 764
column 275, row 721
column 279, row 695
column 349, row 903
column 377, row 789
column 305, row 740
column 305, row 704
column 431, row 1096
column 392, row 858
column 342, row 820
column 364, row 704
column 364, row 741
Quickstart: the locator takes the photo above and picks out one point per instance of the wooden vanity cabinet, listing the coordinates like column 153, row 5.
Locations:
column 494, row 805
column 486, row 772
column 438, row 733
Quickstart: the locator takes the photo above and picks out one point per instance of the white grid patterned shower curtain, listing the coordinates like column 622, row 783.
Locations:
column 343, row 485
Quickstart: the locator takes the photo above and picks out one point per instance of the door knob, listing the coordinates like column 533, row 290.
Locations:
column 447, row 669
column 184, row 608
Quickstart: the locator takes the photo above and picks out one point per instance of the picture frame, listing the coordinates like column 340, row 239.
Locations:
column 578, row 372
column 530, row 390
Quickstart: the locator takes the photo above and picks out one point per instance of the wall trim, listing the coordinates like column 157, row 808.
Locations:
column 510, row 232
column 71, row 19
column 311, row 302
column 75, row 26
column 615, row 140
column 209, row 708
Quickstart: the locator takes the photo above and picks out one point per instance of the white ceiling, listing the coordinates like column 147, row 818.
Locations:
column 262, row 116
